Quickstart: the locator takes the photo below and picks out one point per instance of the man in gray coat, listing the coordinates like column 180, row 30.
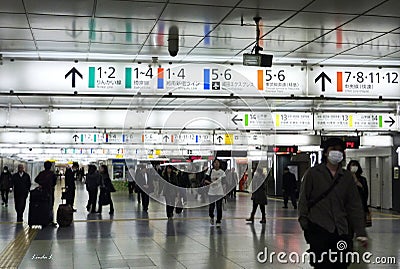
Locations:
column 330, row 209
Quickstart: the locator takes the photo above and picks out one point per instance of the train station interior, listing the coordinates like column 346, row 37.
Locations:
column 127, row 84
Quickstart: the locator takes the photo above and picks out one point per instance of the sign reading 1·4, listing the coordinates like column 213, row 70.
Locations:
column 354, row 81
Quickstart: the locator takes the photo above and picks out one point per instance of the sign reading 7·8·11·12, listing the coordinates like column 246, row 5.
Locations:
column 354, row 81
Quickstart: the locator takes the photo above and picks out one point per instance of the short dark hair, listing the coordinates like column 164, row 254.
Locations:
column 47, row 165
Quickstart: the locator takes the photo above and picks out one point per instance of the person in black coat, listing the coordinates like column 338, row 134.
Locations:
column 145, row 186
column 289, row 187
column 70, row 187
column 21, row 183
column 169, row 190
column 106, row 187
column 259, row 195
column 5, row 185
column 47, row 180
column 355, row 168
column 92, row 186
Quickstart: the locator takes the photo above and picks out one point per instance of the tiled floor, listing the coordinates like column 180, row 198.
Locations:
column 135, row 239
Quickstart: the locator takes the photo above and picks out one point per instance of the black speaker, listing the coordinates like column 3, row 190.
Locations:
column 173, row 40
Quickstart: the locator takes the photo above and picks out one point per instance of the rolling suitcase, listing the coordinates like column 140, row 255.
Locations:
column 65, row 213
column 39, row 210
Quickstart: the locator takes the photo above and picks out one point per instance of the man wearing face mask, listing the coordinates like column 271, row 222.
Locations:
column 330, row 208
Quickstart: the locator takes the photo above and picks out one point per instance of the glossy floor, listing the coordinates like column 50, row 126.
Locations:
column 135, row 239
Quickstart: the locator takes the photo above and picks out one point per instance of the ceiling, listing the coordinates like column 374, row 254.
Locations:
column 365, row 32
column 321, row 32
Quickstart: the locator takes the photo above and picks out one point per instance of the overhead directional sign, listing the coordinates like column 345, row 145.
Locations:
column 322, row 77
column 354, row 81
column 356, row 121
column 73, row 72
column 272, row 120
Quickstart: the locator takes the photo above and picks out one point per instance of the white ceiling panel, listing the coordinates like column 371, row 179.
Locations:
column 10, row 33
column 54, row 35
column 13, row 45
column 62, row 46
column 270, row 18
column 13, row 20
column 129, row 9
column 71, row 7
column 114, row 48
column 12, row 6
column 195, row 13
column 342, row 6
column 67, row 23
column 324, row 21
column 389, row 8
column 282, row 4
column 371, row 23
column 124, row 25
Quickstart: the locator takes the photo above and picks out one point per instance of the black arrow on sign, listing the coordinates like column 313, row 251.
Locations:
column 392, row 121
column 166, row 137
column 75, row 137
column 323, row 76
column 74, row 72
column 220, row 138
column 234, row 119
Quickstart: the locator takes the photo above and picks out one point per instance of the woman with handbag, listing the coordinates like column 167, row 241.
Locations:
column 106, row 188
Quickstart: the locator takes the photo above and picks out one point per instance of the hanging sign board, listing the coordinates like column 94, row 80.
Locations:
column 354, row 82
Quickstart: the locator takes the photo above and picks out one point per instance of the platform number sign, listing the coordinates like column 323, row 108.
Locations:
column 214, row 77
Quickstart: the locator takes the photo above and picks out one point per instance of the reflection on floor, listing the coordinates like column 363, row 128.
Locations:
column 135, row 239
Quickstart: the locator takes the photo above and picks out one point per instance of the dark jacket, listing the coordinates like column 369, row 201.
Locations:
column 363, row 191
column 92, row 181
column 105, row 183
column 141, row 181
column 183, row 179
column 289, row 183
column 69, row 179
column 21, row 185
column 5, row 181
column 169, row 185
column 259, row 186
column 340, row 210
column 47, row 180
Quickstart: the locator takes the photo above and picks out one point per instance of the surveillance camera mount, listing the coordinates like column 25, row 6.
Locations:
column 257, row 47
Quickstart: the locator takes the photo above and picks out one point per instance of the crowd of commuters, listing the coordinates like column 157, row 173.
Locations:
column 333, row 202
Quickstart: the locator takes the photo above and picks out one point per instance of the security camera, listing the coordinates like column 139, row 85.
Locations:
column 173, row 40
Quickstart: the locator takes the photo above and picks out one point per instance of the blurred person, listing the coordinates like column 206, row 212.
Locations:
column 169, row 191
column 70, row 187
column 361, row 182
column 259, row 195
column 5, row 185
column 106, row 188
column 213, row 179
column 330, row 208
column 131, row 180
column 21, row 183
column 143, row 181
column 47, row 180
column 92, row 186
column 289, row 187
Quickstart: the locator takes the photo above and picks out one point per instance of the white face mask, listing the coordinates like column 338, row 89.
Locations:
column 353, row 169
column 335, row 157
column 5, row 171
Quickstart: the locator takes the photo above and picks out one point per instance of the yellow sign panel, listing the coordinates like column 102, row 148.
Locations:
column 228, row 139
column 158, row 151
